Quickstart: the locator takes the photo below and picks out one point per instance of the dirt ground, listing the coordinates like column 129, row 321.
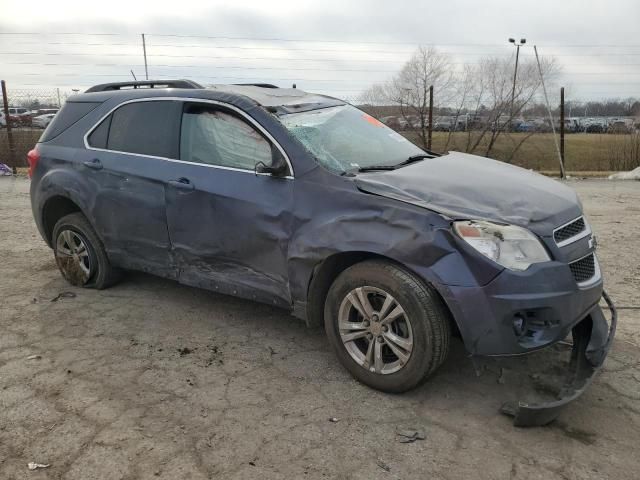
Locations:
column 150, row 379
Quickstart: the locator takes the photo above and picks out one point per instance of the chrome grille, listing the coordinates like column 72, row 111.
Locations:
column 583, row 269
column 569, row 230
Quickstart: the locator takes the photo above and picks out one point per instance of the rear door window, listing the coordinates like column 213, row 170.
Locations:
column 146, row 128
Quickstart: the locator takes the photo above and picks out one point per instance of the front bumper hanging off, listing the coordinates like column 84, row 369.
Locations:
column 592, row 340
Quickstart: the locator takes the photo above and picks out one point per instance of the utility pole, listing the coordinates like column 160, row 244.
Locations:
column 515, row 74
column 562, row 125
column 5, row 105
column 553, row 127
column 144, row 51
column 430, row 128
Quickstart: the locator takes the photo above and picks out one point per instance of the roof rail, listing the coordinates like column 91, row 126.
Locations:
column 105, row 87
column 262, row 85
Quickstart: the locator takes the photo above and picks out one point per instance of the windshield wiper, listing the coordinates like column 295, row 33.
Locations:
column 372, row 168
column 411, row 159
column 415, row 158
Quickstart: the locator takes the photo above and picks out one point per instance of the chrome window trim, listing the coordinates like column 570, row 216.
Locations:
column 575, row 238
column 243, row 114
column 597, row 273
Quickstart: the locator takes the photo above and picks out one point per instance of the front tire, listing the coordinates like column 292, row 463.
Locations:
column 80, row 254
column 388, row 329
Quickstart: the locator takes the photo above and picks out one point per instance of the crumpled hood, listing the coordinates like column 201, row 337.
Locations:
column 464, row 186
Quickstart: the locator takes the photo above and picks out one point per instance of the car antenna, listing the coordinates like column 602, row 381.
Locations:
column 134, row 76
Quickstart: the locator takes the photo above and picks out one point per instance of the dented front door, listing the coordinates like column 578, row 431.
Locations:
column 228, row 225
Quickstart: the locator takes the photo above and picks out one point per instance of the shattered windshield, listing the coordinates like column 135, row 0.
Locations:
column 343, row 138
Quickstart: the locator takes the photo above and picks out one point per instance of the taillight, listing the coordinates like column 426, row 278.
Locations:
column 32, row 157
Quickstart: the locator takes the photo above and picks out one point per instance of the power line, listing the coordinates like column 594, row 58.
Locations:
column 300, row 40
column 303, row 59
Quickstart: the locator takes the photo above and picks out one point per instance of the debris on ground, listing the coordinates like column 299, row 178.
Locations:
column 5, row 170
column 35, row 466
column 63, row 295
column 334, row 420
column 184, row 351
column 34, row 357
column 383, row 465
column 410, row 436
column 631, row 175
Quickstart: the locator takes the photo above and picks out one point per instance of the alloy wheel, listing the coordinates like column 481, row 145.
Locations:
column 73, row 257
column 375, row 330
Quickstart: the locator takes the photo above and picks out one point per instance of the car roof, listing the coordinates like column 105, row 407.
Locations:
column 273, row 97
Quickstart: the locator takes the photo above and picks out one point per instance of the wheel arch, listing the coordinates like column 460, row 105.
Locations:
column 56, row 207
column 325, row 273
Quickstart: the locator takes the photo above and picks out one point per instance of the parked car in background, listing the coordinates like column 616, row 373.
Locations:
column 571, row 125
column 619, row 126
column 19, row 116
column 42, row 121
column 305, row 202
column 525, row 127
column 542, row 125
column 391, row 121
column 595, row 128
column 443, row 124
column 43, row 111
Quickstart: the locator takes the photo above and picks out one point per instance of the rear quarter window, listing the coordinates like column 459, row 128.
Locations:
column 70, row 113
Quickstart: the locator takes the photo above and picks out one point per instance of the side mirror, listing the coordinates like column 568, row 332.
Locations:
column 278, row 169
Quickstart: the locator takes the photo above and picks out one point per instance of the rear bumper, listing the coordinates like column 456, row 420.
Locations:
column 592, row 339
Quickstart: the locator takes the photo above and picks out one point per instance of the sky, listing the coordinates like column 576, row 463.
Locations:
column 336, row 47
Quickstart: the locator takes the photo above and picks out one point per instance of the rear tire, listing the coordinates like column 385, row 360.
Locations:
column 80, row 255
column 399, row 339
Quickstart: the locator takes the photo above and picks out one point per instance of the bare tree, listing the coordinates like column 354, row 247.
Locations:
column 480, row 93
column 494, row 79
column 409, row 88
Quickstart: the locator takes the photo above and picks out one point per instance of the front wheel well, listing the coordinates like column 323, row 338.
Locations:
column 54, row 209
column 328, row 270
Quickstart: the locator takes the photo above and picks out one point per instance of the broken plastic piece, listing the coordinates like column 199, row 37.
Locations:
column 591, row 343
column 383, row 465
column 410, row 436
column 63, row 295
column 35, row 466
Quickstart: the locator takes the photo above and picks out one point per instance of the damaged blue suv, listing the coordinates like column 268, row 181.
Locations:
column 307, row 203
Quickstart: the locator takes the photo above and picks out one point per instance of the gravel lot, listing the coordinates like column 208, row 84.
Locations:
column 150, row 379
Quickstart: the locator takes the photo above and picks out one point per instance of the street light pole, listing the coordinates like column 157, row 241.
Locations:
column 515, row 73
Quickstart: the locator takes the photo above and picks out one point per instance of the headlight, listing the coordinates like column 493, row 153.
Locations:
column 512, row 247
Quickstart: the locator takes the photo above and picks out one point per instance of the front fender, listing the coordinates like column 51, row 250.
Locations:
column 414, row 237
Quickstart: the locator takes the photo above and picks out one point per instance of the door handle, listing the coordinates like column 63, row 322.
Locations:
column 182, row 183
column 94, row 164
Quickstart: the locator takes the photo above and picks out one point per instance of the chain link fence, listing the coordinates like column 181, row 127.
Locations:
column 27, row 114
